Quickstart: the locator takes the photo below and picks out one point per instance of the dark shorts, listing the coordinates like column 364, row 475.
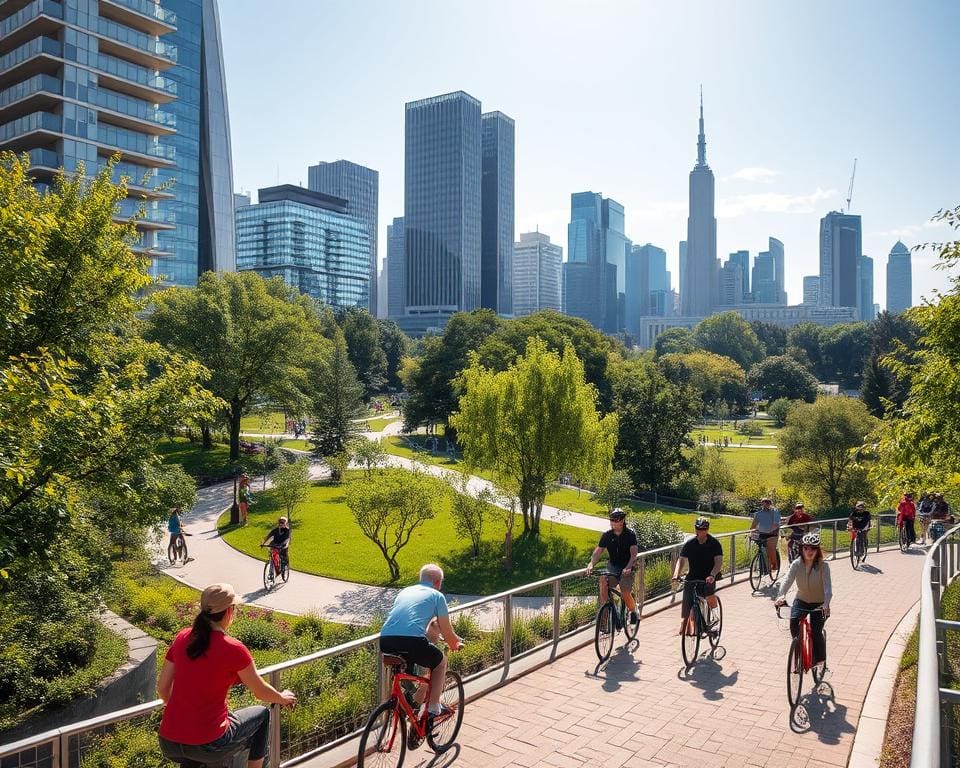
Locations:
column 617, row 579
column 247, row 728
column 417, row 650
column 704, row 590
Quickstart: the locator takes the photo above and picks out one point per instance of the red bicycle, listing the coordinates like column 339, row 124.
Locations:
column 800, row 657
column 384, row 740
column 275, row 569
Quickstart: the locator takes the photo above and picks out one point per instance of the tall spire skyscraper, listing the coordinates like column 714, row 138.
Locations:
column 702, row 280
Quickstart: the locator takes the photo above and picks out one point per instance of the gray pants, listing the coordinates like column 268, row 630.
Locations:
column 247, row 728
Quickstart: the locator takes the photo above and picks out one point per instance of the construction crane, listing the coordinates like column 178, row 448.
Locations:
column 850, row 188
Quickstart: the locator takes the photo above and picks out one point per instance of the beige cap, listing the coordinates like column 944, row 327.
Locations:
column 218, row 597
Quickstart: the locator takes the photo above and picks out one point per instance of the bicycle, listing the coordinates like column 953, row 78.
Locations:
column 275, row 567
column 858, row 546
column 793, row 547
column 611, row 619
column 800, row 656
column 904, row 537
column 708, row 624
column 385, row 736
column 759, row 567
column 177, row 549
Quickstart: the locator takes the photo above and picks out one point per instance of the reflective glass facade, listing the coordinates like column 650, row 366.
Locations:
column 396, row 291
column 865, row 277
column 899, row 279
column 496, row 268
column 314, row 247
column 840, row 251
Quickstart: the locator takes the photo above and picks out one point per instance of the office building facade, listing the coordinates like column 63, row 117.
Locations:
column 731, row 284
column 497, row 213
column 840, row 251
column 865, row 280
column 81, row 81
column 742, row 259
column 899, row 279
column 537, row 271
column 647, row 284
column 811, row 289
column 309, row 240
column 396, row 286
column 360, row 187
column 702, row 281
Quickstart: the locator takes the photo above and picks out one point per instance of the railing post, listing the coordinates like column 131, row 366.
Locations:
column 556, row 611
column 834, row 540
column 383, row 682
column 879, row 526
column 507, row 631
column 61, row 751
column 733, row 558
column 275, row 723
column 641, row 592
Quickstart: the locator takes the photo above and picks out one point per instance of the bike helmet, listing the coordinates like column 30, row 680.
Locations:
column 702, row 524
column 617, row 514
column 811, row 539
column 861, row 505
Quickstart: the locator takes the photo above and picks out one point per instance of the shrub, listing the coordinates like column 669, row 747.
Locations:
column 466, row 626
column 259, row 633
column 750, row 429
column 654, row 531
column 126, row 745
column 311, row 623
column 542, row 626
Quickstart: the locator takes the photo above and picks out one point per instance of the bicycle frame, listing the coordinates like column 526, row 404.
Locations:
column 805, row 636
column 620, row 612
column 275, row 557
column 403, row 708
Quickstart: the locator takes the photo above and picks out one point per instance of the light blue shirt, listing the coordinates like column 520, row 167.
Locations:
column 412, row 611
column 767, row 520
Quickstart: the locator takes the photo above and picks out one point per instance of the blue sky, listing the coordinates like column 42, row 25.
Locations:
column 605, row 98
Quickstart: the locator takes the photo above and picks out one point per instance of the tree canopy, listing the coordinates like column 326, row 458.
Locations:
column 782, row 377
column 718, row 379
column 674, row 341
column 362, row 334
column 729, row 335
column 336, row 402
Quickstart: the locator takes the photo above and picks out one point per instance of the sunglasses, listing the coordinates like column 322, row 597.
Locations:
column 810, row 546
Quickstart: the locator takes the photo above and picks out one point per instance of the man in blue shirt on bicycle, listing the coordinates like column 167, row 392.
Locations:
column 766, row 522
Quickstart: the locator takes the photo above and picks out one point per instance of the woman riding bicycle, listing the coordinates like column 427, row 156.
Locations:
column 200, row 666
column 812, row 576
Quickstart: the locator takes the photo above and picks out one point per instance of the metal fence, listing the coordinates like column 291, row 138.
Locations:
column 938, row 704
column 339, row 686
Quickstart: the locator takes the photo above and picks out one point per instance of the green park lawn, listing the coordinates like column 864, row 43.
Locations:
column 378, row 425
column 268, row 422
column 715, row 434
column 300, row 445
column 200, row 463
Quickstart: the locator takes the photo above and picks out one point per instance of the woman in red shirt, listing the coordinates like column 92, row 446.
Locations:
column 200, row 666
column 906, row 514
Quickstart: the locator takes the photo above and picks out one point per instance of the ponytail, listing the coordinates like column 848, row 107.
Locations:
column 199, row 639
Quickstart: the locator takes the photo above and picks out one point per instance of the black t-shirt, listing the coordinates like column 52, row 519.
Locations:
column 700, row 556
column 618, row 547
column 860, row 519
column 278, row 536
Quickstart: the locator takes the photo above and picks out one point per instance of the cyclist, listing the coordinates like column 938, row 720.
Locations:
column 940, row 517
column 175, row 526
column 703, row 556
column 797, row 530
column 766, row 522
column 279, row 538
column 418, row 619
column 906, row 514
column 924, row 508
column 860, row 522
column 201, row 665
column 622, row 546
column 814, row 590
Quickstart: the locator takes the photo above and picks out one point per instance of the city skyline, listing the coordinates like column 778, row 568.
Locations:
column 777, row 171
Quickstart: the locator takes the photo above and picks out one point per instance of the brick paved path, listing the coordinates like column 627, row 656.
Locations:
column 642, row 709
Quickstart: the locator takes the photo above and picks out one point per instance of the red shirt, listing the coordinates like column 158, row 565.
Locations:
column 907, row 510
column 196, row 712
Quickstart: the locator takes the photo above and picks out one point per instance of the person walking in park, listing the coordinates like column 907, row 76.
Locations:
column 244, row 497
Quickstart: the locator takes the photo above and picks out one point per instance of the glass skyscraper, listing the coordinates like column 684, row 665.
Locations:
column 537, row 269
column 840, row 252
column 899, row 279
column 742, row 259
column 83, row 80
column 396, row 292
column 865, row 279
column 497, row 222
column 360, row 187
column 309, row 240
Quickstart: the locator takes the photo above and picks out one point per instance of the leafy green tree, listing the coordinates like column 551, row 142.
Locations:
column 470, row 509
column 844, row 349
column 895, row 336
column 651, row 449
column 773, row 337
column 258, row 338
column 729, row 335
column 291, row 482
column 370, row 453
column 820, row 449
column 396, row 346
column 782, row 377
column 803, row 345
column 715, row 477
column 338, row 463
column 337, row 402
column 718, row 379
column 389, row 507
column 533, row 421
column 362, row 333
column 618, row 488
column 654, row 530
column 674, row 341
column 779, row 409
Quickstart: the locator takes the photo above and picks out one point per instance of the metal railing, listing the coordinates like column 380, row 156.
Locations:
column 934, row 718
column 508, row 627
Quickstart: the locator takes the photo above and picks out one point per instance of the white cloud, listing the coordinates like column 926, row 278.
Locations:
column 753, row 174
column 908, row 231
column 772, row 202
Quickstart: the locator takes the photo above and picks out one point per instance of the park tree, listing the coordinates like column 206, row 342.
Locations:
column 674, row 341
column 532, row 422
column 803, row 345
column 392, row 505
column 716, row 378
column 83, row 399
column 369, row 453
column 895, row 338
column 779, row 409
column 470, row 509
column 821, row 447
column 651, row 449
column 715, row 477
column 291, row 483
column 729, row 335
column 396, row 346
column 844, row 350
column 619, row 487
column 362, row 334
column 773, row 337
column 782, row 377
column 337, row 402
column 259, row 339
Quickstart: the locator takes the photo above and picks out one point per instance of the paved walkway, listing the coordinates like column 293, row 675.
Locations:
column 643, row 709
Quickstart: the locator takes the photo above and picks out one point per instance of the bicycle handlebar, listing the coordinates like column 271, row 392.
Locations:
column 804, row 610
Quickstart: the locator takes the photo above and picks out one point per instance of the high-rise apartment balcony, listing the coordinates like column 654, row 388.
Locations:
column 147, row 215
column 37, row 56
column 127, row 142
column 35, row 94
column 44, row 158
column 40, row 17
column 134, row 80
column 148, row 16
column 129, row 112
column 138, row 47
column 22, row 133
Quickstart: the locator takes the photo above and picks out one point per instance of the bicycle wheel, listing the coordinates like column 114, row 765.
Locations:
column 755, row 574
column 775, row 572
column 383, row 739
column 285, row 571
column 603, row 639
column 818, row 671
column 904, row 540
column 629, row 628
column 269, row 577
column 446, row 727
column 172, row 553
column 794, row 673
column 182, row 549
column 715, row 623
column 690, row 644
column 854, row 560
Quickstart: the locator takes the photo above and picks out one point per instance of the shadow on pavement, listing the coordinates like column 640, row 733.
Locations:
column 820, row 713
column 708, row 676
column 447, row 757
column 871, row 569
column 620, row 667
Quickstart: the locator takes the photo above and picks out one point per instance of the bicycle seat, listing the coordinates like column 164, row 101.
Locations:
column 390, row 660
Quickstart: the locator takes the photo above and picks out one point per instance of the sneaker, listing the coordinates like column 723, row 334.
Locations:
column 634, row 619
column 444, row 714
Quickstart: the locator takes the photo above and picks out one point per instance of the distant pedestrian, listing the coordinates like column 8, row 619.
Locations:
column 244, row 497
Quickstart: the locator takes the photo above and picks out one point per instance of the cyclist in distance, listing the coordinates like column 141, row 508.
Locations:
column 279, row 537
column 906, row 514
column 621, row 545
column 924, row 508
column 860, row 520
column 814, row 590
column 799, row 516
column 174, row 526
column 766, row 522
column 703, row 556
column 201, row 665
column 418, row 619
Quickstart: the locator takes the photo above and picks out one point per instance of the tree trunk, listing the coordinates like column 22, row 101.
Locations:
column 535, row 516
column 508, row 550
column 205, row 437
column 394, row 569
column 235, row 409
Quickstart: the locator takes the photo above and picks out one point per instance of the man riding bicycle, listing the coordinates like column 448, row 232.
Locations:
column 175, row 526
column 279, row 538
column 858, row 524
column 703, row 556
column 418, row 619
column 906, row 514
column 766, row 522
column 797, row 531
column 621, row 545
